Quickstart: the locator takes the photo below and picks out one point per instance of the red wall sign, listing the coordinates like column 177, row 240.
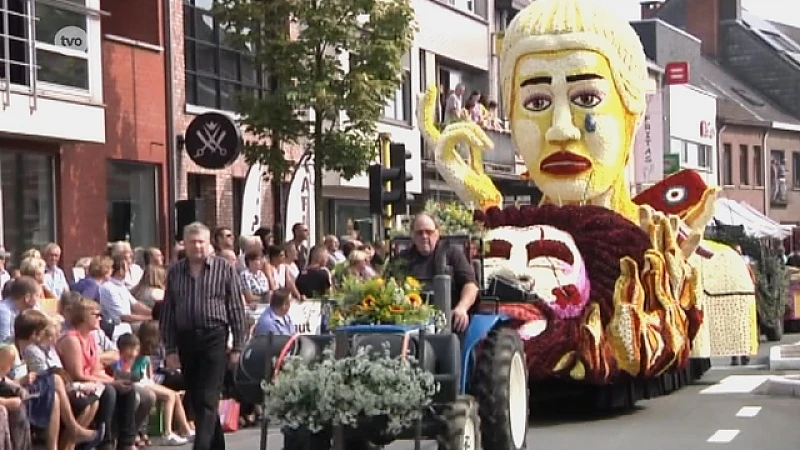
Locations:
column 707, row 129
column 677, row 72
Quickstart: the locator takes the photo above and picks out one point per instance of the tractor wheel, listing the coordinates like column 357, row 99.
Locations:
column 500, row 384
column 461, row 425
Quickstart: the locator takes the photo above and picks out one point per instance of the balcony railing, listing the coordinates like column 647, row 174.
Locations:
column 501, row 160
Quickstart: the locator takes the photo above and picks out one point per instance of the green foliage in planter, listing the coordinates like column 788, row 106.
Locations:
column 343, row 392
column 771, row 285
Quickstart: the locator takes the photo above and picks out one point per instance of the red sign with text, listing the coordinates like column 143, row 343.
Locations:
column 677, row 72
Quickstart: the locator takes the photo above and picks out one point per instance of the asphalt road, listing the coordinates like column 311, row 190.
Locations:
column 719, row 410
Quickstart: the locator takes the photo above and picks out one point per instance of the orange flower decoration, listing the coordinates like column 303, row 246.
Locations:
column 415, row 300
column 395, row 309
column 369, row 302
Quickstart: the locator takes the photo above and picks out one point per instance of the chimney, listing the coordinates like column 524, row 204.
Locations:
column 703, row 18
column 650, row 8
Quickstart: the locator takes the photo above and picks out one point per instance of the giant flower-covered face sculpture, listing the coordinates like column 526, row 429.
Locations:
column 591, row 270
column 574, row 79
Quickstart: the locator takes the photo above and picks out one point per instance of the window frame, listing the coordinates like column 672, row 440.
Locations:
column 124, row 167
column 90, row 9
column 726, row 171
column 404, row 89
column 796, row 170
column 744, row 165
column 193, row 74
column 758, row 166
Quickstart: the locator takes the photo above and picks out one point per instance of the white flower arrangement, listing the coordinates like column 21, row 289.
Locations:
column 349, row 390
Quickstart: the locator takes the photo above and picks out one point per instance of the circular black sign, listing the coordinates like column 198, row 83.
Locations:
column 213, row 140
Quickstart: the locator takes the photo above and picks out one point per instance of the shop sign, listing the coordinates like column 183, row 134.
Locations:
column 707, row 130
column 672, row 163
column 213, row 140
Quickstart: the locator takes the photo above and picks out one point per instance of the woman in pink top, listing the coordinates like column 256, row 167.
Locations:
column 80, row 356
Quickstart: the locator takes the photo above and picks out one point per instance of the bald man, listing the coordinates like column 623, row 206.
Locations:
column 429, row 256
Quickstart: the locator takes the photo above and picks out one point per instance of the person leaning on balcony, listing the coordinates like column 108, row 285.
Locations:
column 453, row 108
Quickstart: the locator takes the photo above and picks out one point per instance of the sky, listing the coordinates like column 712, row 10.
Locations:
column 766, row 9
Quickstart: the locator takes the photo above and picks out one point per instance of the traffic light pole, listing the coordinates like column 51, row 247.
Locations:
column 384, row 223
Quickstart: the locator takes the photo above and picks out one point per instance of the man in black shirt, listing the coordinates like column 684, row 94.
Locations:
column 428, row 256
column 202, row 305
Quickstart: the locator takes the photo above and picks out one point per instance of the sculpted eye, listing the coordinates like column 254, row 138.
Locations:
column 587, row 99
column 537, row 103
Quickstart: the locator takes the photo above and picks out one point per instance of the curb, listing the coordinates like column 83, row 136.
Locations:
column 784, row 357
column 786, row 386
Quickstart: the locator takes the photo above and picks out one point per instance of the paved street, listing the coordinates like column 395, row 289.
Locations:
column 720, row 409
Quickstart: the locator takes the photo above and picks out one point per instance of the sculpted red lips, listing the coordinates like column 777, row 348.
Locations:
column 565, row 163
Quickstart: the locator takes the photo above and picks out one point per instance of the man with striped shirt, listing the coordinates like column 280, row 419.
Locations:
column 202, row 306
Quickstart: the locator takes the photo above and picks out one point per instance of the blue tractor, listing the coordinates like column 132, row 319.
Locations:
column 483, row 397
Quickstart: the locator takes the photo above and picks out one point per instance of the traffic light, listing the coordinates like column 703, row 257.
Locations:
column 387, row 185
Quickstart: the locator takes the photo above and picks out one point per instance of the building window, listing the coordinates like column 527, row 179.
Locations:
column 132, row 193
column 28, row 198
column 796, row 170
column 65, row 37
column 758, row 165
column 398, row 107
column 704, row 158
column 777, row 175
column 218, row 70
column 744, row 165
column 727, row 165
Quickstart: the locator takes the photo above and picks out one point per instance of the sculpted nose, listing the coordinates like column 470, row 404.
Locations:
column 562, row 129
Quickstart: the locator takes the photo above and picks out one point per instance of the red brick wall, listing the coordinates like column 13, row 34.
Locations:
column 135, row 98
column 702, row 21
column 751, row 137
column 222, row 199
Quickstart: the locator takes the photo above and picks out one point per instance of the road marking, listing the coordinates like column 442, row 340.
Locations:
column 723, row 436
column 748, row 411
column 737, row 384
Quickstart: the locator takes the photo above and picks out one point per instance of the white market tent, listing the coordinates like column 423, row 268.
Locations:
column 757, row 225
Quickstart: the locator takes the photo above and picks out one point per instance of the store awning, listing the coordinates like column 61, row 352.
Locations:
column 733, row 213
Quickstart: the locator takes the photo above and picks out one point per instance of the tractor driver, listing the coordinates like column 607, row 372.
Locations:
column 428, row 256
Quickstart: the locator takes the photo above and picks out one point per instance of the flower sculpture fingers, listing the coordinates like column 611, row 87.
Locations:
column 469, row 181
column 649, row 327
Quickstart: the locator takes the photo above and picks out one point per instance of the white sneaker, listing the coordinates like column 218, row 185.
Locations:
column 174, row 440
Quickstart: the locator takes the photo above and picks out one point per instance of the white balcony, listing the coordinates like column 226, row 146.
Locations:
column 453, row 32
column 51, row 76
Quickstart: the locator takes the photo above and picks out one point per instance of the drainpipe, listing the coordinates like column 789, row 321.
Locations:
column 720, row 147
column 172, row 145
column 765, row 159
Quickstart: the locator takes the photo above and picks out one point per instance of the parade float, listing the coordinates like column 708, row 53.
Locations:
column 607, row 291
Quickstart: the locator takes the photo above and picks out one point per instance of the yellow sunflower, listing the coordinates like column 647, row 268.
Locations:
column 414, row 299
column 413, row 283
column 368, row 302
column 396, row 309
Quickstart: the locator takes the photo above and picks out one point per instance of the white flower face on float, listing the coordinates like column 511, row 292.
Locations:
column 542, row 259
column 553, row 94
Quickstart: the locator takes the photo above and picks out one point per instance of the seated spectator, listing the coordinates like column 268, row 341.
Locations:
column 79, row 353
column 53, row 404
column 359, row 266
column 100, row 268
column 139, row 368
column 23, row 295
column 255, row 286
column 116, row 302
column 316, row 279
column 275, row 319
column 150, row 289
column 13, row 406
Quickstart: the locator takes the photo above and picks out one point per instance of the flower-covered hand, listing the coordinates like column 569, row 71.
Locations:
column 469, row 181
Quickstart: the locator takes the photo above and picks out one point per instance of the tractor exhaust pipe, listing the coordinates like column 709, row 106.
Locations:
column 442, row 298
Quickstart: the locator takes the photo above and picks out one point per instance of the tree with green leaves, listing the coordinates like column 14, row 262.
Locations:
column 341, row 60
